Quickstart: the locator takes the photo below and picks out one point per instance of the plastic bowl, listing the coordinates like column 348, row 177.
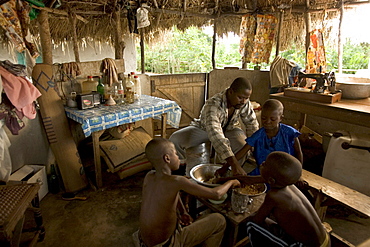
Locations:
column 219, row 201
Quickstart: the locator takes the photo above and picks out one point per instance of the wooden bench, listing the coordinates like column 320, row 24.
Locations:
column 327, row 192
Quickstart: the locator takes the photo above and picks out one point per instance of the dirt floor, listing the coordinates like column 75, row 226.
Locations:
column 110, row 215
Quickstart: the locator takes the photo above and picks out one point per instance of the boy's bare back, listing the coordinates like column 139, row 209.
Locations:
column 158, row 218
column 158, row 215
column 295, row 214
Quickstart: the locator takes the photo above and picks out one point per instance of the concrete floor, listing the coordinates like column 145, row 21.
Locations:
column 110, row 215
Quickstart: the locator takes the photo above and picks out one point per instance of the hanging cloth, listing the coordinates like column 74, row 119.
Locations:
column 316, row 58
column 10, row 22
column 109, row 69
column 257, row 36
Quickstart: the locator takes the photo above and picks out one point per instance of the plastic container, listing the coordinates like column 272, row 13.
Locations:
column 89, row 85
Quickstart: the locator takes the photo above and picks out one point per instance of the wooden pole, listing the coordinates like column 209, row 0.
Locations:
column 142, row 52
column 45, row 38
column 119, row 44
column 340, row 43
column 73, row 21
column 281, row 19
column 214, row 44
column 308, row 26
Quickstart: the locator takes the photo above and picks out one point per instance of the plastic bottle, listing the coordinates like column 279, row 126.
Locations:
column 100, row 90
column 120, row 93
column 89, row 85
column 129, row 90
column 137, row 89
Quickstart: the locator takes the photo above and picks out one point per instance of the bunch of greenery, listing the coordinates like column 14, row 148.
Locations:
column 191, row 51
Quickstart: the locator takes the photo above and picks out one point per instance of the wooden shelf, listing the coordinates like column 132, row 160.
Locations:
column 308, row 95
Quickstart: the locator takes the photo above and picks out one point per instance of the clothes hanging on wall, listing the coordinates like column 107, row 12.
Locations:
column 282, row 72
column 21, row 92
column 109, row 69
column 316, row 58
column 257, row 34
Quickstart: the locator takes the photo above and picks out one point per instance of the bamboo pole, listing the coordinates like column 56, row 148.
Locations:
column 214, row 44
column 281, row 19
column 307, row 18
column 73, row 22
column 44, row 29
column 142, row 52
column 340, row 43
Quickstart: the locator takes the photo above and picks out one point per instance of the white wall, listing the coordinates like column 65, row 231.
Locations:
column 31, row 145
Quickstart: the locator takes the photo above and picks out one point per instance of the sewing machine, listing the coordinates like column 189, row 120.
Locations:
column 324, row 82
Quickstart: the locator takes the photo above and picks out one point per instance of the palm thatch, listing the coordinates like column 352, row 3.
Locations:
column 96, row 19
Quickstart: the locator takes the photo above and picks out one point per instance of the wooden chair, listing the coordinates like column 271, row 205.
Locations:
column 15, row 199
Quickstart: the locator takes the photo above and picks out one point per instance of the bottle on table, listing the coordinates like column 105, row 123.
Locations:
column 129, row 90
column 100, row 90
column 137, row 89
column 120, row 93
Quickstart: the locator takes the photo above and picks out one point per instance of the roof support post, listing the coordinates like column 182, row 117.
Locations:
column 119, row 44
column 142, row 51
column 73, row 21
column 214, row 43
column 340, row 43
column 45, row 37
column 281, row 19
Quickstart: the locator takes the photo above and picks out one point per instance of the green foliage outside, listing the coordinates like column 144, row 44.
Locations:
column 191, row 51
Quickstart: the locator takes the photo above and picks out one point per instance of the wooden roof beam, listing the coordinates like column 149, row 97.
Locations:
column 59, row 12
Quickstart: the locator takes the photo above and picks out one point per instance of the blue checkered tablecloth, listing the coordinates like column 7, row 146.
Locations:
column 105, row 117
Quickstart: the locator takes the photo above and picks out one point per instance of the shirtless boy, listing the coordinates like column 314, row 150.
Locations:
column 159, row 224
column 291, row 210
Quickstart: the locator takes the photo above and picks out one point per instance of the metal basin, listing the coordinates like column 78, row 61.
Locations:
column 353, row 87
column 203, row 173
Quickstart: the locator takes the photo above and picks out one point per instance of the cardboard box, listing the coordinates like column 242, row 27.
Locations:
column 31, row 174
column 126, row 151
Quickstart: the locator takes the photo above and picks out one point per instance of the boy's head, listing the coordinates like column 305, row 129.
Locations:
column 271, row 114
column 281, row 169
column 239, row 92
column 160, row 151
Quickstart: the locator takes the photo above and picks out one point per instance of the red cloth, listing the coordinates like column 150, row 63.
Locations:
column 21, row 92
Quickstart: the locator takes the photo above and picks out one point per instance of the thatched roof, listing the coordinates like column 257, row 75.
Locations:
column 96, row 19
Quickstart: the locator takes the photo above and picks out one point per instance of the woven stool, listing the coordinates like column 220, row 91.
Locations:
column 15, row 199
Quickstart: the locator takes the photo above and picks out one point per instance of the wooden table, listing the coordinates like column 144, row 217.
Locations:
column 95, row 121
column 233, row 219
column 346, row 110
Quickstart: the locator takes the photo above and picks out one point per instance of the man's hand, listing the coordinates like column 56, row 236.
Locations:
column 222, row 171
column 235, row 167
